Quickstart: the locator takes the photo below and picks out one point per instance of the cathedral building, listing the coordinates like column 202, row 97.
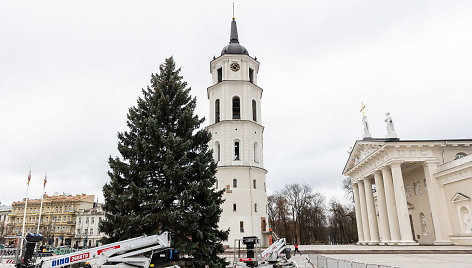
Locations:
column 410, row 192
column 237, row 141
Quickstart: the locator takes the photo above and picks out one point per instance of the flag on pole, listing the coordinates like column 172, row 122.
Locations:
column 45, row 180
column 29, row 176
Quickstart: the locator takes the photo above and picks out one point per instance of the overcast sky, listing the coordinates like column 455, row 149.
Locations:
column 69, row 71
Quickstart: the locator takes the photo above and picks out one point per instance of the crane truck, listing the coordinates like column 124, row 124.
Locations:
column 144, row 251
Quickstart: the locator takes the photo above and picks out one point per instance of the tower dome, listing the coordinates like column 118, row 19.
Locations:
column 234, row 47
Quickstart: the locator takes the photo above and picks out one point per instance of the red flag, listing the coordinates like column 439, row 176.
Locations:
column 29, row 176
column 45, row 180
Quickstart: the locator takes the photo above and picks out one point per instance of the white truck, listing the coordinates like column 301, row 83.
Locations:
column 144, row 251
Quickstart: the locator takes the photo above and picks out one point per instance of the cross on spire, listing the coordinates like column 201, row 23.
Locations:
column 362, row 109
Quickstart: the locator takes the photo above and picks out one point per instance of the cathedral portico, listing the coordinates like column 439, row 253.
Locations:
column 413, row 199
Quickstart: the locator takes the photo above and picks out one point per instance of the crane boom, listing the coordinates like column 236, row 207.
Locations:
column 271, row 254
column 123, row 253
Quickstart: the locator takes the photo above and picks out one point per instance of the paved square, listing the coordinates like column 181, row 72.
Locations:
column 411, row 260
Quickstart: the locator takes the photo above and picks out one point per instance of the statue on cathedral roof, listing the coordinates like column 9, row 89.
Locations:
column 391, row 134
column 366, row 134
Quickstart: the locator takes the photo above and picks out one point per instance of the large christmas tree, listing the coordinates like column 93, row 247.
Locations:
column 165, row 178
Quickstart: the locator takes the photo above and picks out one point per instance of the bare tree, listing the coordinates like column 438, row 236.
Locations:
column 278, row 214
column 342, row 223
column 301, row 216
column 347, row 186
column 314, row 220
column 272, row 211
column 298, row 197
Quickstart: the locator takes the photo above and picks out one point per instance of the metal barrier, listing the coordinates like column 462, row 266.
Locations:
column 320, row 261
column 10, row 255
column 13, row 253
column 8, row 252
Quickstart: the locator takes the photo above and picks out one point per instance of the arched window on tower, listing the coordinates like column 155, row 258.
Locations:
column 255, row 207
column 234, row 207
column 220, row 74
column 254, row 111
column 251, row 75
column 241, row 226
column 217, row 151
column 236, row 150
column 254, row 184
column 235, row 183
column 236, row 108
column 256, row 152
column 217, row 111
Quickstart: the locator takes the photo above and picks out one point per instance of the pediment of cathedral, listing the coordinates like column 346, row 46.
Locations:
column 361, row 150
column 458, row 197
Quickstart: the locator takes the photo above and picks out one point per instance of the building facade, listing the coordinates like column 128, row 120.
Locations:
column 58, row 217
column 422, row 191
column 86, row 230
column 237, row 141
column 5, row 212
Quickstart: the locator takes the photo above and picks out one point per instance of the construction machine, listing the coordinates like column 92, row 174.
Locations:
column 276, row 255
column 144, row 251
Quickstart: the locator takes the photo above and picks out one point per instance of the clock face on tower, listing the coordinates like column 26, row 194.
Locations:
column 234, row 67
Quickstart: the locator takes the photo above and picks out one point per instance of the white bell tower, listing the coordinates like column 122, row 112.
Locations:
column 237, row 141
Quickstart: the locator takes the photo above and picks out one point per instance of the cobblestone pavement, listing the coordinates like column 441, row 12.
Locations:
column 397, row 260
column 411, row 260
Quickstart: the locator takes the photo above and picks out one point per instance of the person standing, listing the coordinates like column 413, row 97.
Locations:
column 296, row 250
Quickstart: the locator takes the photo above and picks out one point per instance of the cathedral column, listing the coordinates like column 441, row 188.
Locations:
column 372, row 216
column 437, row 203
column 391, row 206
column 360, row 230
column 381, row 203
column 402, row 207
column 365, row 220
